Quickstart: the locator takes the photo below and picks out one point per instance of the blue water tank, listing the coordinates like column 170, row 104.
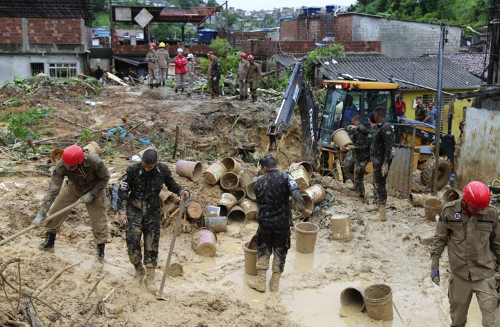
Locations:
column 330, row 9
column 313, row 10
column 206, row 35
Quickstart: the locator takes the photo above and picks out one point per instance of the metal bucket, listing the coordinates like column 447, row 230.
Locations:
column 239, row 194
column 432, row 209
column 250, row 189
column 246, row 179
column 226, row 202
column 306, row 235
column 418, row 199
column 306, row 165
column 237, row 214
column 301, row 177
column 341, row 228
column 352, row 298
column 217, row 224
column 378, row 302
column 451, row 195
column 214, row 173
column 204, row 242
column 341, row 138
column 250, row 208
column 316, row 193
column 309, row 204
column 189, row 169
column 250, row 249
column 232, row 165
column 229, row 181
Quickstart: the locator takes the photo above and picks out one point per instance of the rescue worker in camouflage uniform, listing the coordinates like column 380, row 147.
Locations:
column 421, row 112
column 88, row 178
column 242, row 76
column 275, row 219
column 209, row 72
column 381, row 157
column 141, row 186
column 152, row 60
column 361, row 153
column 215, row 73
column 254, row 75
column 190, row 74
column 470, row 228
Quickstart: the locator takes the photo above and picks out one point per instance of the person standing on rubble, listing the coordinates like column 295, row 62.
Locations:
column 191, row 74
column 180, row 70
column 470, row 228
column 361, row 153
column 242, row 76
column 87, row 180
column 163, row 63
column 254, row 75
column 152, row 60
column 209, row 72
column 381, row 158
column 141, row 186
column 215, row 74
column 275, row 220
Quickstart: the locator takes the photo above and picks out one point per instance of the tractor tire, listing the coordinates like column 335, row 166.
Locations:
column 427, row 173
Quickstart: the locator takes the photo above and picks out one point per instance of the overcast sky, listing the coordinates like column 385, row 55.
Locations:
column 270, row 4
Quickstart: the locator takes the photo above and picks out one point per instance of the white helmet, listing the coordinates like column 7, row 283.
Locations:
column 180, row 50
column 190, row 56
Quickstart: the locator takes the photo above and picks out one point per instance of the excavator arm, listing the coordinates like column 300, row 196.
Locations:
column 298, row 91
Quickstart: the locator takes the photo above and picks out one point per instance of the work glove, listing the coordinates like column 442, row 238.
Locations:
column 385, row 169
column 435, row 276
column 215, row 78
column 87, row 198
column 40, row 216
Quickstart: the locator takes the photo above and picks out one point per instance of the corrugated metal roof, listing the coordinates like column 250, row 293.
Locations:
column 47, row 9
column 419, row 70
column 288, row 59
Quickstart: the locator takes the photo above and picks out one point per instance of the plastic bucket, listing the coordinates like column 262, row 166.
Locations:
column 217, row 224
column 189, row 169
column 306, row 235
column 309, row 204
column 304, row 164
column 250, row 189
column 451, row 195
column 378, row 302
column 93, row 147
column 246, row 179
column 316, row 193
column 352, row 299
column 418, row 199
column 214, row 173
column 301, row 177
column 204, row 242
column 229, row 181
column 250, row 208
column 341, row 228
column 250, row 249
column 341, row 138
column 239, row 194
column 232, row 165
column 237, row 214
column 432, row 209
column 226, row 202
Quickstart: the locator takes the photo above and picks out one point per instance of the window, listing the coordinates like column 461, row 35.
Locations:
column 62, row 70
column 37, row 68
column 237, row 41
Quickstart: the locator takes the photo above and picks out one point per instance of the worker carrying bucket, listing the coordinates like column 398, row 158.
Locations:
column 470, row 228
column 141, row 186
column 88, row 178
column 273, row 235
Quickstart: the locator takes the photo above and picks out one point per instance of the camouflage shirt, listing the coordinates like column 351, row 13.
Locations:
column 143, row 188
column 382, row 143
column 272, row 191
column 421, row 112
column 361, row 142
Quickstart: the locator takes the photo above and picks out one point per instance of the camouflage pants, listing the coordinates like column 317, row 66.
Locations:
column 147, row 224
column 253, row 88
column 215, row 87
column 379, row 183
column 273, row 239
column 359, row 176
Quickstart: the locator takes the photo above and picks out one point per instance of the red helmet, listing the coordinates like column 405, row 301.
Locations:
column 243, row 55
column 476, row 195
column 250, row 58
column 73, row 155
column 152, row 45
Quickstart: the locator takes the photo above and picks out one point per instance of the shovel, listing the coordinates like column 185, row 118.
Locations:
column 182, row 209
column 46, row 220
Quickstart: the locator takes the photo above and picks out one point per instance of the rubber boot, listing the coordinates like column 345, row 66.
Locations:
column 150, row 279
column 274, row 283
column 254, row 98
column 100, row 252
column 48, row 244
column 382, row 215
column 242, row 98
column 176, row 90
column 151, row 86
column 140, row 272
column 259, row 284
column 188, row 96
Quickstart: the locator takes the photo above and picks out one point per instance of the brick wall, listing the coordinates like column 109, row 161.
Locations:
column 288, row 29
column 54, row 31
column 304, row 28
column 11, row 30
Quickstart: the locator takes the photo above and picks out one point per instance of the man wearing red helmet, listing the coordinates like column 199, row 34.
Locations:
column 242, row 76
column 152, row 60
column 470, row 228
column 254, row 75
column 88, row 178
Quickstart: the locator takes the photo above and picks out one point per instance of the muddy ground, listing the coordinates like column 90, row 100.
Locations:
column 211, row 291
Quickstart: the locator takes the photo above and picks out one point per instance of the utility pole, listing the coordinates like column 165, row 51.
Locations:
column 442, row 41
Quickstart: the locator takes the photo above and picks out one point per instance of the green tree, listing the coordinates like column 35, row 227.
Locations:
column 212, row 3
column 99, row 5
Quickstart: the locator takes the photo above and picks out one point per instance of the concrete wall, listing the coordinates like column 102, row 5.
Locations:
column 403, row 39
column 480, row 149
column 20, row 65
